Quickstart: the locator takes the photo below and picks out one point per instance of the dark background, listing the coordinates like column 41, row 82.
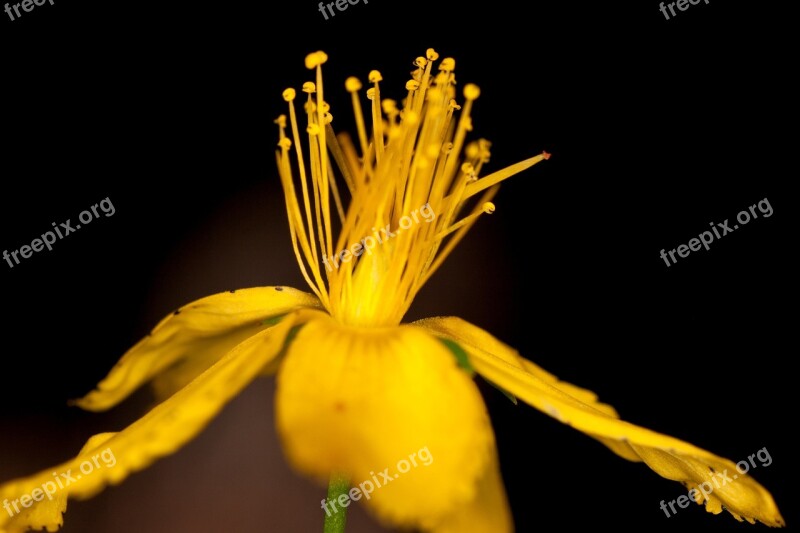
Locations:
column 656, row 128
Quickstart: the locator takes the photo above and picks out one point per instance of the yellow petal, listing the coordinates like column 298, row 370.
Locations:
column 191, row 339
column 466, row 334
column 672, row 458
column 361, row 401
column 488, row 511
column 162, row 431
column 43, row 505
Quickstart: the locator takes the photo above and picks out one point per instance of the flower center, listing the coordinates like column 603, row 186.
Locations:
column 412, row 194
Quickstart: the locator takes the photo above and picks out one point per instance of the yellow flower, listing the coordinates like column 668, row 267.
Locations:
column 357, row 390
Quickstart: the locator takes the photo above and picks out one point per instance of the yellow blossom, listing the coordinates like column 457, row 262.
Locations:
column 371, row 220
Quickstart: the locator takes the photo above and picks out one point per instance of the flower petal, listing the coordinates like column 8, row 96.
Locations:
column 162, row 431
column 46, row 502
column 488, row 511
column 363, row 401
column 670, row 457
column 191, row 339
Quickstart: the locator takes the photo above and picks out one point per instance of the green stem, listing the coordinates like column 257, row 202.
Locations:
column 336, row 520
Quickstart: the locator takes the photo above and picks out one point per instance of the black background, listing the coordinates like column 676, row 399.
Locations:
column 657, row 128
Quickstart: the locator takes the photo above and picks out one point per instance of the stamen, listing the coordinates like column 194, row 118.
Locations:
column 410, row 161
column 353, row 85
column 289, row 96
column 377, row 122
column 487, row 208
column 500, row 175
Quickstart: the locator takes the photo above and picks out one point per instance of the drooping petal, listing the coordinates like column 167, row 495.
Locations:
column 161, row 432
column 43, row 506
column 672, row 458
column 191, row 339
column 456, row 328
column 488, row 510
column 370, row 402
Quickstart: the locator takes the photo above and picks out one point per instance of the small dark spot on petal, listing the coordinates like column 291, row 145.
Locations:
column 177, row 312
column 712, row 469
column 278, row 289
column 232, row 291
column 338, row 406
